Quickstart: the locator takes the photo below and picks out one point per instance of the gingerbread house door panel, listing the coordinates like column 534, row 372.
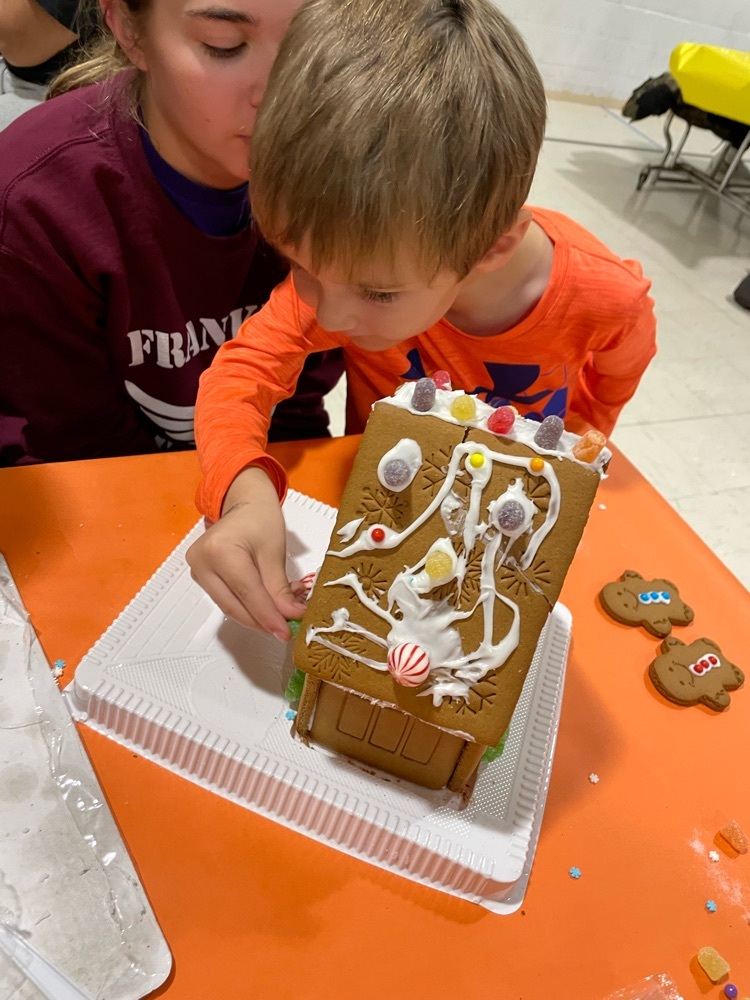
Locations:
column 384, row 737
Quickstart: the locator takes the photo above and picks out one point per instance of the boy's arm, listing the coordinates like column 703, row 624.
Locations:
column 241, row 559
column 247, row 378
column 613, row 370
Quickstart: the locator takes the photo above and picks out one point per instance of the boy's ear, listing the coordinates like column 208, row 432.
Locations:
column 120, row 23
column 506, row 245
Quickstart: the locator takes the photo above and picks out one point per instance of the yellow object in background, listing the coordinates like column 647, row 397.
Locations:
column 713, row 79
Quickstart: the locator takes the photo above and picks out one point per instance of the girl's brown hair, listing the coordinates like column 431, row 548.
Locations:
column 102, row 57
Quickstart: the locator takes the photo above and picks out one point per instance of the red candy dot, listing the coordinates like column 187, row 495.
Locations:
column 442, row 380
column 501, row 420
column 712, row 660
column 377, row 535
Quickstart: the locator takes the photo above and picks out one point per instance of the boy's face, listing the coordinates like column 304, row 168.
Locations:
column 378, row 310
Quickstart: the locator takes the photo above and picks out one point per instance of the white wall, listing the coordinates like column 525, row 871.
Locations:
column 606, row 48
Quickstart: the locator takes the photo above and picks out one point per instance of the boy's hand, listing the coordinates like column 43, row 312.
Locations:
column 240, row 561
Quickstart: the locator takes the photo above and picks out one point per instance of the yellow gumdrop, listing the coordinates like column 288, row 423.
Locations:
column 536, row 464
column 464, row 407
column 438, row 564
column 476, row 460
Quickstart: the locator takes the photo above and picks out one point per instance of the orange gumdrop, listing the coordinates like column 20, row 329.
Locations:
column 589, row 446
column 735, row 836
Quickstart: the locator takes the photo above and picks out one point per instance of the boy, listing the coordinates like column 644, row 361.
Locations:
column 390, row 163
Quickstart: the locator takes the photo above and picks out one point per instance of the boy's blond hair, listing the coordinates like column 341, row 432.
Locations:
column 397, row 125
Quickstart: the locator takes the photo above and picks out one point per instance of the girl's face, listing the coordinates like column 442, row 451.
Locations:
column 206, row 65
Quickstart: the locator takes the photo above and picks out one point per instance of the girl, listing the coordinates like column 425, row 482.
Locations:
column 127, row 252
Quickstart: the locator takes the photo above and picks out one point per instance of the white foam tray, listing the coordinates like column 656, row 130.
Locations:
column 187, row 688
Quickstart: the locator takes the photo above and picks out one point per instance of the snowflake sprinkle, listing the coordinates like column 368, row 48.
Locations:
column 58, row 668
column 713, row 855
column 711, row 906
column 593, row 778
column 576, row 873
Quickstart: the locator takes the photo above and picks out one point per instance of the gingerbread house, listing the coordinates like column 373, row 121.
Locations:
column 450, row 548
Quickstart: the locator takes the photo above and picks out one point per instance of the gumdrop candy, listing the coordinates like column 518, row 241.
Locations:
column 464, row 407
column 589, row 446
column 549, row 433
column 396, row 473
column 423, row 397
column 293, row 690
column 408, row 664
column 295, row 624
column 442, row 380
column 438, row 564
column 510, row 516
column 713, row 964
column 735, row 836
column 501, row 420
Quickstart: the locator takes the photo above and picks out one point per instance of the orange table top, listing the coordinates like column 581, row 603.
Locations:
column 253, row 910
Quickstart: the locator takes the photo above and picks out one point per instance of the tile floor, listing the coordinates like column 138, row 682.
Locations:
column 688, row 427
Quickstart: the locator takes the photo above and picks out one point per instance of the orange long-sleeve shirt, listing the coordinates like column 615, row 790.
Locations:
column 579, row 353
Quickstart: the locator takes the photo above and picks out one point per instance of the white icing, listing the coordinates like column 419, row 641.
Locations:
column 523, row 430
column 349, row 530
column 453, row 514
column 410, row 453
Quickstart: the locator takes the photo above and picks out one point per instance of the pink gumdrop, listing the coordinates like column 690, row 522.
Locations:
column 408, row 664
column 442, row 380
column 501, row 420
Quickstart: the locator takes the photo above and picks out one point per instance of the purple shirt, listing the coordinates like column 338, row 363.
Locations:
column 213, row 211
column 112, row 303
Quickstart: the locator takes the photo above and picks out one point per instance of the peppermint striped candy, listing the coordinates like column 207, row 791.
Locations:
column 408, row 664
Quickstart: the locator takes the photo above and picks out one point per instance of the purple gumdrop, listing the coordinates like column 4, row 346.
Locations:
column 549, row 433
column 423, row 397
column 396, row 473
column 510, row 516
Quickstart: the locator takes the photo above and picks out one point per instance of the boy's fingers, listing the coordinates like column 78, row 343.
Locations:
column 228, row 604
column 278, row 586
column 242, row 578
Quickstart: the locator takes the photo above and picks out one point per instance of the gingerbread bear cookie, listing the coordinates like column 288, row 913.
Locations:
column 695, row 673
column 655, row 604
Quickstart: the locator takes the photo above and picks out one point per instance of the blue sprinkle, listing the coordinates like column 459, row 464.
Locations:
column 711, row 906
column 290, row 714
column 60, row 664
column 575, row 872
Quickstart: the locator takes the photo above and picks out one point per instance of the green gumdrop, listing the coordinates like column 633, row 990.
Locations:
column 294, row 626
column 492, row 753
column 294, row 687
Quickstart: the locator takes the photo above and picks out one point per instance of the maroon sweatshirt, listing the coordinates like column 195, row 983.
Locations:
column 112, row 303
